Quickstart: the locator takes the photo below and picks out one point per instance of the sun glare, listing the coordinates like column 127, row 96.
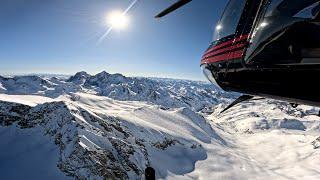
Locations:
column 117, row 20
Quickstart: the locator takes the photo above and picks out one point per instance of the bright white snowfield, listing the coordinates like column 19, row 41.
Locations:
column 109, row 126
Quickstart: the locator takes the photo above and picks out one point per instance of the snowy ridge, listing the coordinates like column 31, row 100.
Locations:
column 25, row 84
column 2, row 89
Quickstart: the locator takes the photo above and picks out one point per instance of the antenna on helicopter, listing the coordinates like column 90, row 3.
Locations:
column 172, row 8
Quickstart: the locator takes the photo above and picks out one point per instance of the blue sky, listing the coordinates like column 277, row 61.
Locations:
column 58, row 36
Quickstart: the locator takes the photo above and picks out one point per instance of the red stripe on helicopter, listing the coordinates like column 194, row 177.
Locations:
column 223, row 50
column 224, row 57
column 241, row 38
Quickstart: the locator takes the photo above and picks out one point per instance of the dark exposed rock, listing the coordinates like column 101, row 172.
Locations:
column 316, row 143
column 12, row 112
column 166, row 143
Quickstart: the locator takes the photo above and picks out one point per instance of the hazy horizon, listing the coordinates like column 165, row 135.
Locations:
column 94, row 73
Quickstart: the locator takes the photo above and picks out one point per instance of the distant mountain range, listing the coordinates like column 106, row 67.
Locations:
column 199, row 96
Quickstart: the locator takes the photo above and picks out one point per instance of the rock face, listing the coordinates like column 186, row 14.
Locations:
column 79, row 78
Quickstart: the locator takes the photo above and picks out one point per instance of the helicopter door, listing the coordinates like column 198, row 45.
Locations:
column 286, row 32
column 236, row 25
column 226, row 52
column 232, row 31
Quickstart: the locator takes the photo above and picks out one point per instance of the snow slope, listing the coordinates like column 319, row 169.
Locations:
column 107, row 126
column 269, row 139
column 30, row 100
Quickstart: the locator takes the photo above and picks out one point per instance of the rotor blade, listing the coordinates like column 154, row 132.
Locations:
column 172, row 8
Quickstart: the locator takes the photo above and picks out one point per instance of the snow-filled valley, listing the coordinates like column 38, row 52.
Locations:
column 108, row 126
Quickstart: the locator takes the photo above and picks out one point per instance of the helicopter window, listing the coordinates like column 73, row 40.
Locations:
column 275, row 9
column 229, row 21
column 291, row 8
column 309, row 12
column 272, row 7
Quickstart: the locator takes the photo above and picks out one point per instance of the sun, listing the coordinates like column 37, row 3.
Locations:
column 117, row 20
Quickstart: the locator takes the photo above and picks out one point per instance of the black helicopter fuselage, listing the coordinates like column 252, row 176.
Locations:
column 268, row 48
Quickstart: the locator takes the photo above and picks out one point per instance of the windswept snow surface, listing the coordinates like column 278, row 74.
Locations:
column 111, row 126
column 31, row 100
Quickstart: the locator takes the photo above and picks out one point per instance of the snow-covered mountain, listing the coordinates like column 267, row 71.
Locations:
column 198, row 96
column 108, row 126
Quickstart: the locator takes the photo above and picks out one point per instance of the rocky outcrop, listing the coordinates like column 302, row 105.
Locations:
column 316, row 143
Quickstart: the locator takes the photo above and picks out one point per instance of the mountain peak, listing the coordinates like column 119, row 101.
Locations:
column 82, row 73
column 79, row 77
column 102, row 74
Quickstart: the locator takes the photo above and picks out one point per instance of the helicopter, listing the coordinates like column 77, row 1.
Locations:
column 265, row 48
